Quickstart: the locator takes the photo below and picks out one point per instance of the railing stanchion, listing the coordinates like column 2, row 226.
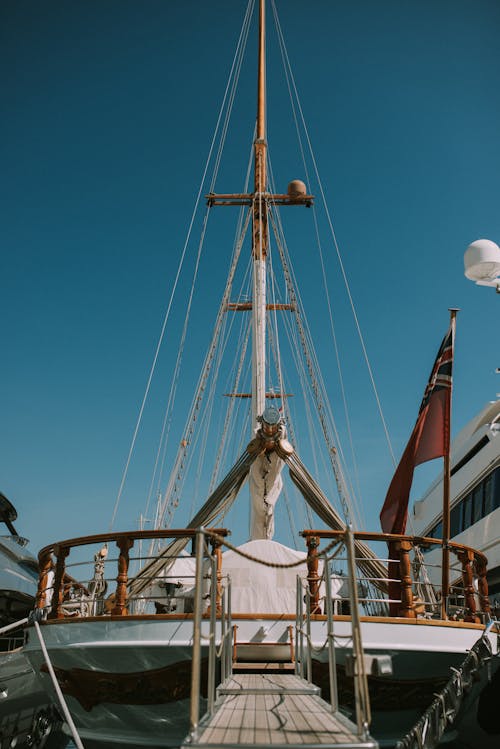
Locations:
column 308, row 636
column 332, row 664
column 214, row 608
column 363, row 717
column 194, row 714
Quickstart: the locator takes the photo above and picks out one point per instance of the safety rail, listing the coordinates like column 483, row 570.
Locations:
column 401, row 592
column 307, row 598
column 14, row 640
column 225, row 651
column 396, row 585
column 452, row 701
column 107, row 585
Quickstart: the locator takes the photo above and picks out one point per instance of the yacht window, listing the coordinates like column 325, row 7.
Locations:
column 438, row 531
column 456, row 520
column 467, row 516
column 488, row 495
column 484, row 441
column 477, row 503
column 496, row 489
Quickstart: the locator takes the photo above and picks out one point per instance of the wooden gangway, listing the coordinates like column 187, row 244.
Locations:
column 283, row 710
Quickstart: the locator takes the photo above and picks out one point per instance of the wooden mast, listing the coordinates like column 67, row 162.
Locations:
column 259, row 234
column 258, row 202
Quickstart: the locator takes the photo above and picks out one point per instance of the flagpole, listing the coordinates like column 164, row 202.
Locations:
column 445, row 564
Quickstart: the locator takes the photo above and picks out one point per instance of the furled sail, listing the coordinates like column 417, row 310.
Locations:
column 265, row 480
column 269, row 450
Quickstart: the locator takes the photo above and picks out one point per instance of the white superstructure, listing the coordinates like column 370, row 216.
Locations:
column 475, row 493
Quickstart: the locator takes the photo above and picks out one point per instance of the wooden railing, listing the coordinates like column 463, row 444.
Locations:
column 396, row 588
column 53, row 559
column 473, row 566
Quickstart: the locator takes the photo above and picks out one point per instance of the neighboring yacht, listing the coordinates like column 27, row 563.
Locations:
column 475, row 495
column 115, row 609
column 27, row 717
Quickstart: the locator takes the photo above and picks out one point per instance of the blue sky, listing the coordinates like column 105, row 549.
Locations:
column 107, row 115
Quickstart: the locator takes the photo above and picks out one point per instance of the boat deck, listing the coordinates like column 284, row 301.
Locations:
column 258, row 710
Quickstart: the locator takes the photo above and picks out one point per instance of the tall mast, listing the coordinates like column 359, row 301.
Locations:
column 265, row 473
column 259, row 235
column 258, row 200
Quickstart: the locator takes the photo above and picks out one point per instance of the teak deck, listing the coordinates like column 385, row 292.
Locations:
column 282, row 710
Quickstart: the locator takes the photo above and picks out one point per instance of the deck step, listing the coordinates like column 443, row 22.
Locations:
column 264, row 666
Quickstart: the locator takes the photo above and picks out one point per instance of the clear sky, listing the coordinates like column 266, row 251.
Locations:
column 107, row 112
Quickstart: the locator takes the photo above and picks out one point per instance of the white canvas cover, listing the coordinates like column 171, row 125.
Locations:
column 259, row 589
column 181, row 575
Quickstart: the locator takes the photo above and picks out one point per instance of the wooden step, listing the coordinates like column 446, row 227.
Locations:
column 262, row 652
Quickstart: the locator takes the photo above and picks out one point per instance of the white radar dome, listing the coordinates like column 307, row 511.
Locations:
column 482, row 261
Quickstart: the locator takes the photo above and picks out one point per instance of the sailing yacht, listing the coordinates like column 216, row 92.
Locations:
column 115, row 610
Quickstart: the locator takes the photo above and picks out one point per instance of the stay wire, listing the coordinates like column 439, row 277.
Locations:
column 335, row 242
column 179, row 269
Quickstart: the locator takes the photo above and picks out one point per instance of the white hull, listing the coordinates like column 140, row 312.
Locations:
column 127, row 682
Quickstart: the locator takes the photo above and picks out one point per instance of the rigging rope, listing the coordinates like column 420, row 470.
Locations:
column 332, row 231
column 317, row 387
column 238, row 54
column 171, row 491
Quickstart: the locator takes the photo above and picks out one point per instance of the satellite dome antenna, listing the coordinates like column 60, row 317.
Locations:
column 482, row 263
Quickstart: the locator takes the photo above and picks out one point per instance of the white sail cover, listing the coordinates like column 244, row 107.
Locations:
column 261, row 589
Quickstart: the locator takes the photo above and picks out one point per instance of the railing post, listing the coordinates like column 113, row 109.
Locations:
column 229, row 671
column 194, row 714
column 308, row 635
column 407, row 609
column 217, row 553
column 120, row 607
column 212, row 640
column 362, row 697
column 313, row 577
column 292, row 647
column 301, row 602
column 61, row 553
column 466, row 558
column 332, row 665
column 482, row 586
column 45, row 565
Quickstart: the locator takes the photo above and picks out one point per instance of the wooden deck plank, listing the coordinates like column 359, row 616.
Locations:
column 273, row 709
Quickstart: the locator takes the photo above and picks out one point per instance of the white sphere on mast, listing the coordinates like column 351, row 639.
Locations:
column 482, row 262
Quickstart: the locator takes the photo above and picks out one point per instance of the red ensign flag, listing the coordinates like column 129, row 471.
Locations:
column 430, row 437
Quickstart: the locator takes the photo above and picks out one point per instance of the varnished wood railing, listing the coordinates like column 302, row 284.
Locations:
column 53, row 558
column 399, row 578
column 473, row 564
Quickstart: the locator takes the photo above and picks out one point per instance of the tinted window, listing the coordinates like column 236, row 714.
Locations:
column 477, row 503
column 438, row 531
column 467, row 503
column 488, row 495
column 496, row 488
column 456, row 520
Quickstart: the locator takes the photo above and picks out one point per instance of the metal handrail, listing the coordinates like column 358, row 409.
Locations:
column 303, row 654
column 362, row 697
column 224, row 653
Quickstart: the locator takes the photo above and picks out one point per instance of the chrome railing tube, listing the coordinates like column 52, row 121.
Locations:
column 363, row 716
column 212, row 636
column 332, row 664
column 194, row 713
